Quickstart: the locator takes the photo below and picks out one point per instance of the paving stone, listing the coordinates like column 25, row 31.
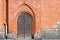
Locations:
column 27, row 38
column 50, row 39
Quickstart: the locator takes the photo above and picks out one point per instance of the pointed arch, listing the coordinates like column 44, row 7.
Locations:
column 24, row 8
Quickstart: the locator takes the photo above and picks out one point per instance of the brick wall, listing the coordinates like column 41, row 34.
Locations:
column 46, row 13
column 2, row 14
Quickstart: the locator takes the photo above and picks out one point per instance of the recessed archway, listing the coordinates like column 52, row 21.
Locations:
column 26, row 9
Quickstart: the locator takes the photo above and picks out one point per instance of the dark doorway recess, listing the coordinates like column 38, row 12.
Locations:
column 24, row 25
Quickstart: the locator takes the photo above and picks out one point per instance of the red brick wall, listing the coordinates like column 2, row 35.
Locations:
column 18, row 6
column 2, row 14
column 46, row 12
column 50, row 13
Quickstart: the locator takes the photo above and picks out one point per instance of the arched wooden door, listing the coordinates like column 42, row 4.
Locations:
column 24, row 25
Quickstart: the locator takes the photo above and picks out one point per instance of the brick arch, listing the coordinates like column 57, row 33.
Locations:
column 24, row 8
column 28, row 9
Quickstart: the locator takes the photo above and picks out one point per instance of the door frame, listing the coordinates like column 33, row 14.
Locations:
column 33, row 22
